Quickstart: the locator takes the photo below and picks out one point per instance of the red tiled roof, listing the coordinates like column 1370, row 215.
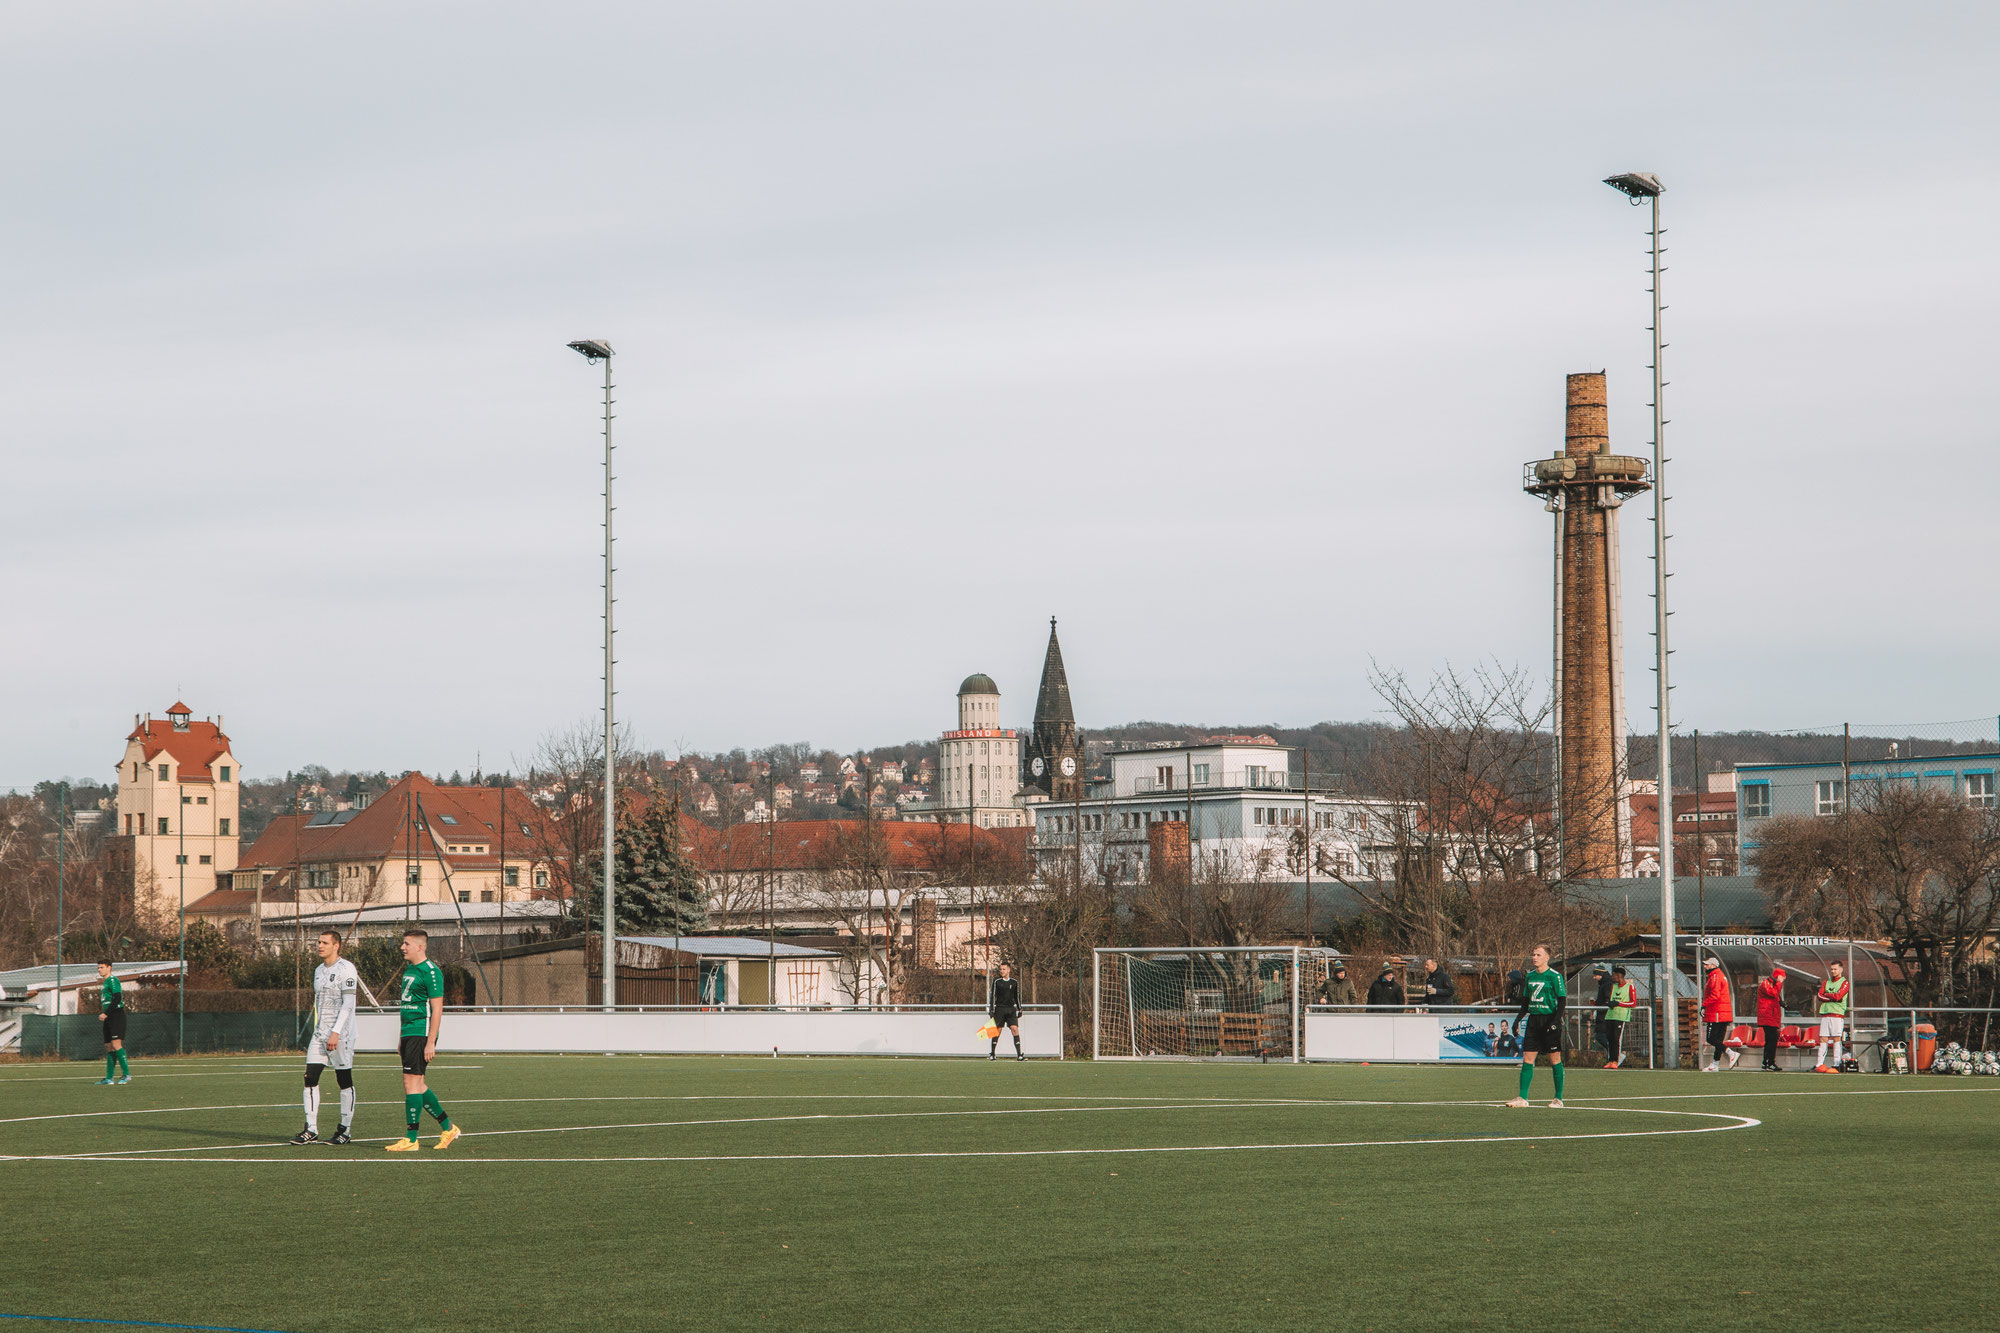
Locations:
column 194, row 749
column 278, row 845
column 227, row 900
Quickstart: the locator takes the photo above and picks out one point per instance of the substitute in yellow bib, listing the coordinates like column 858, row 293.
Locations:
column 1623, row 996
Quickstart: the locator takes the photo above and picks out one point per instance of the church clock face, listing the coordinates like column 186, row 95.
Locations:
column 1037, row 767
column 1068, row 767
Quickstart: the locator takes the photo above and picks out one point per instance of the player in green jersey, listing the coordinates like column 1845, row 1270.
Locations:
column 111, row 1013
column 1543, row 998
column 422, row 1000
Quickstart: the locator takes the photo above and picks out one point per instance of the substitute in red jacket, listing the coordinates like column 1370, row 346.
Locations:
column 1771, row 1013
column 1718, row 1011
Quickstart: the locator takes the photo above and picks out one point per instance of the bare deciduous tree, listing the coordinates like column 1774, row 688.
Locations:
column 1914, row 865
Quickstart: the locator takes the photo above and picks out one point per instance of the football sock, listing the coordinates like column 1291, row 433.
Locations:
column 1527, row 1078
column 994, row 1048
column 1017, row 1043
column 413, row 1112
column 110, row 1064
column 1558, row 1071
column 436, row 1108
column 1819, row 1056
column 312, row 1108
column 346, row 1079
column 124, row 1065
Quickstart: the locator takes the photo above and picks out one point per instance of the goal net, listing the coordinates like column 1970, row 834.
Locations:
column 1203, row 1004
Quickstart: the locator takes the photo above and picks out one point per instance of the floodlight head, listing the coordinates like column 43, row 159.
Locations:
column 595, row 349
column 1638, row 184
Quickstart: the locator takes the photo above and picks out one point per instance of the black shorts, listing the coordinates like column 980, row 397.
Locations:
column 1007, row 1020
column 114, row 1026
column 1544, row 1034
column 413, row 1054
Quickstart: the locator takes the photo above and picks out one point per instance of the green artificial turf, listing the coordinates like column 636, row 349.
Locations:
column 906, row 1194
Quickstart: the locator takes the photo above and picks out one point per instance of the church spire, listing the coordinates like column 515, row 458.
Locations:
column 1055, row 729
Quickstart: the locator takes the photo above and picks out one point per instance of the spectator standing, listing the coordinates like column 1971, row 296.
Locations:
column 1718, row 1010
column 1386, row 992
column 1771, row 1013
column 1337, row 989
column 1617, row 1013
column 1602, row 1002
column 1832, row 999
column 1437, row 984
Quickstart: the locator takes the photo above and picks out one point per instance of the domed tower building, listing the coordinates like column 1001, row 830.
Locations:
column 979, row 764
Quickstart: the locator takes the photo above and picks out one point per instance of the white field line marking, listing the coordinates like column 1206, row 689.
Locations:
column 1826, row 1092
column 122, row 1153
column 149, row 1075
column 766, row 1097
column 1736, row 1122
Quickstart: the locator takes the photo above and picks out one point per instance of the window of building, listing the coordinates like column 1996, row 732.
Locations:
column 1201, row 775
column 186, row 799
column 163, row 826
column 541, row 879
column 1757, row 800
column 513, row 877
column 1979, row 789
column 163, row 772
column 1828, row 796
column 128, row 826
column 413, row 876
column 225, row 773
column 486, row 895
column 1165, row 776
column 207, row 860
column 225, row 825
column 181, row 860
column 201, row 800
column 448, row 819
column 465, row 895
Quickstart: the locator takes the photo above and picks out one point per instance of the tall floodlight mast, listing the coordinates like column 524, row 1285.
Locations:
column 1644, row 187
column 595, row 350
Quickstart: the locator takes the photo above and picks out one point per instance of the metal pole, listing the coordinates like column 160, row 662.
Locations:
column 1700, row 870
column 1306, row 818
column 1096, row 983
column 609, row 923
column 180, row 999
column 62, row 805
column 1298, row 1033
column 1667, row 942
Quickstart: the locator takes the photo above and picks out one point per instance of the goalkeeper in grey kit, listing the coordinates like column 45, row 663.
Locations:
column 334, row 984
column 1005, row 1011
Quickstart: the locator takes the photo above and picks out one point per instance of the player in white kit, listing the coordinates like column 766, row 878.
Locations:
column 335, row 983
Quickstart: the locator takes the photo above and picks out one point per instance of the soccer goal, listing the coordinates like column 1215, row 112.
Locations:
column 1203, row 1004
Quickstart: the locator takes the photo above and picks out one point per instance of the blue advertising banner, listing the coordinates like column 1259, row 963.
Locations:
column 1468, row 1037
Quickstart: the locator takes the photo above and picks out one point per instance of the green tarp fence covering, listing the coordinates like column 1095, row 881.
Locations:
column 162, row 1034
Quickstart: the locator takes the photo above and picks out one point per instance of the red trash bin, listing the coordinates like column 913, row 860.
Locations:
column 1923, row 1046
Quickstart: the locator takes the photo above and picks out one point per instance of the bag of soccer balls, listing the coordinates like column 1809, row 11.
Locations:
column 1953, row 1058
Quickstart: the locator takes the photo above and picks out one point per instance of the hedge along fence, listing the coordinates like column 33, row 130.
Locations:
column 164, row 1033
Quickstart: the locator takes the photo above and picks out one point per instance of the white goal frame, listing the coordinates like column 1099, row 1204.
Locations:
column 1296, row 954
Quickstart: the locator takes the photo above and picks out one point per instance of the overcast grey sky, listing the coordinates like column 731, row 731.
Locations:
column 1219, row 331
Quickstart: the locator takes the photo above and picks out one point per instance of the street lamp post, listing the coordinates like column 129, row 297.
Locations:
column 1644, row 187
column 595, row 350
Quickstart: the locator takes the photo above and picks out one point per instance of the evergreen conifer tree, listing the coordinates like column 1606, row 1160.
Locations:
column 657, row 888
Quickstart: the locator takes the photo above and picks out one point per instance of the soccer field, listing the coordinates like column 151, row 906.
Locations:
column 593, row 1192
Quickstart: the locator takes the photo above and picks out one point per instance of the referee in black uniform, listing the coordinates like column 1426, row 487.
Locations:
column 1005, row 1011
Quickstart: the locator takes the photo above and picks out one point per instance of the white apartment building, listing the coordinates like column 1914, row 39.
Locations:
column 1246, row 811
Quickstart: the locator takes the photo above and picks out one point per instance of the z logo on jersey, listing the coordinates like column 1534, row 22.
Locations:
column 1536, row 987
column 407, row 983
